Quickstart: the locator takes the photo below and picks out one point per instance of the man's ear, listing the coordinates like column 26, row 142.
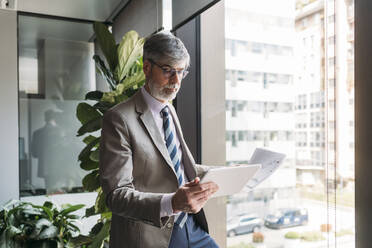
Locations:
column 147, row 68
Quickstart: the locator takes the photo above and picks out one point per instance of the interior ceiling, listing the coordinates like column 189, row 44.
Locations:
column 94, row 10
column 32, row 29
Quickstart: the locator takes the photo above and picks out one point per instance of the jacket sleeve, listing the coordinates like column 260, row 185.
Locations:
column 116, row 178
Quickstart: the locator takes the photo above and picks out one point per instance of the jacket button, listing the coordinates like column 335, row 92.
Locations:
column 169, row 225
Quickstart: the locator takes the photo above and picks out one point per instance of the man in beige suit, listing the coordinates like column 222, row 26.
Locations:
column 148, row 175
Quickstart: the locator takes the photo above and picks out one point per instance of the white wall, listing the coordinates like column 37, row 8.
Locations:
column 212, row 39
column 9, row 188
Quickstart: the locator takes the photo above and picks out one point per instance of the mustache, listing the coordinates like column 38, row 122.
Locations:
column 171, row 86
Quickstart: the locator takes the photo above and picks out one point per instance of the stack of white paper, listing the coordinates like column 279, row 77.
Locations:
column 269, row 161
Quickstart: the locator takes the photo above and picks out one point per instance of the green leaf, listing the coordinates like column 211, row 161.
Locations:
column 109, row 97
column 11, row 204
column 103, row 106
column 40, row 225
column 86, row 113
column 48, row 204
column 32, row 211
column 136, row 67
column 70, row 209
column 100, row 205
column 73, row 227
column 73, row 216
column 90, row 211
column 129, row 82
column 79, row 241
column 124, row 90
column 101, row 236
column 90, row 126
column 94, row 156
column 96, row 229
column 49, row 233
column 91, row 181
column 89, row 139
column 94, row 95
column 106, row 215
column 84, row 154
column 49, row 212
column 107, row 43
column 129, row 50
column 42, row 222
column 88, row 165
column 121, row 98
column 105, row 73
column 13, row 231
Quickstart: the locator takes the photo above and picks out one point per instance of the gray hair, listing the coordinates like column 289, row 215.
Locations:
column 166, row 48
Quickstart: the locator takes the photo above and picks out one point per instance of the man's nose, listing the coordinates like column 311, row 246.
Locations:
column 176, row 77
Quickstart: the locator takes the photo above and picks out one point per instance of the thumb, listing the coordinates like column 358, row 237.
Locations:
column 193, row 182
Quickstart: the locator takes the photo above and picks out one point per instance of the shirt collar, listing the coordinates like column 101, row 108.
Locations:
column 155, row 105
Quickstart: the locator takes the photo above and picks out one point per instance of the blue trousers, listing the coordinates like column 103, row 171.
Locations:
column 190, row 236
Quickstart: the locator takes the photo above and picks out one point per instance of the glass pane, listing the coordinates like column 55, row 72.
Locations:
column 56, row 70
column 282, row 95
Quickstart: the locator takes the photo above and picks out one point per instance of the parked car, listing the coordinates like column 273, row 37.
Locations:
column 243, row 224
column 287, row 217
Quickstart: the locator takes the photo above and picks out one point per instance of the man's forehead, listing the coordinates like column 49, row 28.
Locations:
column 177, row 65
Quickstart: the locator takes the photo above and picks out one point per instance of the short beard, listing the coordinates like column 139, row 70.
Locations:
column 159, row 92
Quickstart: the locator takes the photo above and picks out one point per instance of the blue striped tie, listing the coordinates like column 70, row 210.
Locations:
column 169, row 136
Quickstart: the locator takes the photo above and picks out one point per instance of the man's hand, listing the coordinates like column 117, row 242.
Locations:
column 192, row 196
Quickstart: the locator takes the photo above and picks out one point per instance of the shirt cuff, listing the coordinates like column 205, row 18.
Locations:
column 166, row 205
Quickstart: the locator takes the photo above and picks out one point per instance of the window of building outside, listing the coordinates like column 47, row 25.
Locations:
column 56, row 70
column 284, row 94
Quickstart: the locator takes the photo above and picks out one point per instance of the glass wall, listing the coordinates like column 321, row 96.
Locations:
column 290, row 89
column 56, row 70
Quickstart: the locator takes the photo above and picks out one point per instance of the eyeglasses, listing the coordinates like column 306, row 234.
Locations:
column 169, row 72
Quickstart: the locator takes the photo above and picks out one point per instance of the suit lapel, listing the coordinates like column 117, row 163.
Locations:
column 150, row 125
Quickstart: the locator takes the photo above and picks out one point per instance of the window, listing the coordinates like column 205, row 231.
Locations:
column 332, row 40
column 295, row 120
column 331, row 19
column 56, row 70
column 331, row 62
column 302, row 101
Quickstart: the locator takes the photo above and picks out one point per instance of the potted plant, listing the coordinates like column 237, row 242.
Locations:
column 23, row 224
column 312, row 236
column 258, row 239
column 292, row 239
column 326, row 227
column 124, row 76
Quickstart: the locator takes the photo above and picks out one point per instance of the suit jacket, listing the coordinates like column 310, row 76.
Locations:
column 135, row 171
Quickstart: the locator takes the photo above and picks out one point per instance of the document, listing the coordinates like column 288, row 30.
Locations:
column 269, row 160
column 232, row 179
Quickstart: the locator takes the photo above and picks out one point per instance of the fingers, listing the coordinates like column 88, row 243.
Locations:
column 206, row 194
column 197, row 180
column 192, row 196
column 191, row 203
column 195, row 188
column 193, row 182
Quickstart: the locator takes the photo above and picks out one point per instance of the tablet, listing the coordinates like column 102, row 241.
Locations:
column 230, row 179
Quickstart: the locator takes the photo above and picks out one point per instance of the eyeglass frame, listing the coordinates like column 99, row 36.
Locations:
column 170, row 73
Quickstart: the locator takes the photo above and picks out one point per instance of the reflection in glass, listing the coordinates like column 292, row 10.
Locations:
column 56, row 70
column 282, row 94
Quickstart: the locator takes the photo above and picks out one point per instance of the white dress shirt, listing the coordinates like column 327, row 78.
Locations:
column 155, row 107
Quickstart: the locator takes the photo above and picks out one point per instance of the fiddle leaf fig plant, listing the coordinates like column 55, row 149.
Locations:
column 122, row 70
